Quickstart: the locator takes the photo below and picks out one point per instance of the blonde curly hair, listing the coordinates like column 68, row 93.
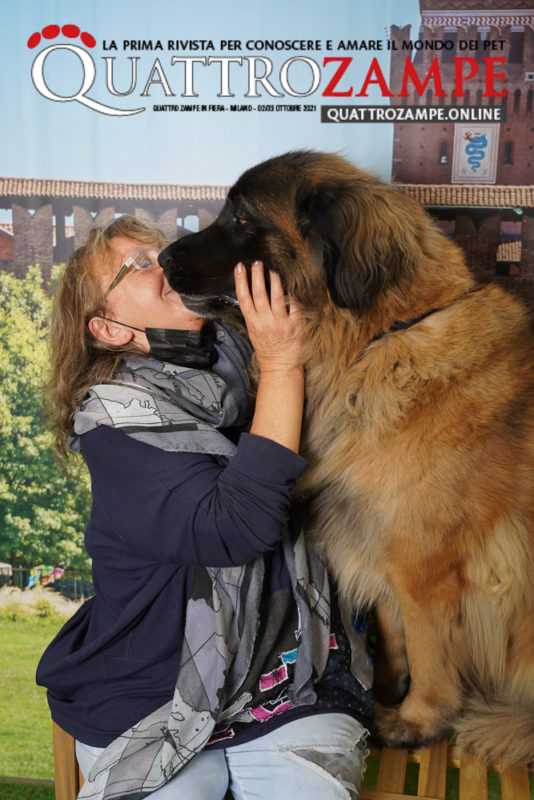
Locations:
column 78, row 360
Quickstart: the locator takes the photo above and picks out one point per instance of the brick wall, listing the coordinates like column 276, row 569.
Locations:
column 33, row 243
column 6, row 247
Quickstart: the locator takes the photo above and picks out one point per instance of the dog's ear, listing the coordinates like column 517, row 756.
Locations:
column 366, row 240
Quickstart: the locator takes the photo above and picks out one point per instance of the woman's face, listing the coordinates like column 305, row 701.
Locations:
column 142, row 299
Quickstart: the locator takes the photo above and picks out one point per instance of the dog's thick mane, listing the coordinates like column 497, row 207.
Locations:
column 340, row 355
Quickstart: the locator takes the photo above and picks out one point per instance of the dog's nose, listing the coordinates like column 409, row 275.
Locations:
column 164, row 258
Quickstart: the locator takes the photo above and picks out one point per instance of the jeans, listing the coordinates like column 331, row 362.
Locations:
column 314, row 758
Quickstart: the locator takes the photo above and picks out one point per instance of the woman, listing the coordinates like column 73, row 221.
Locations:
column 212, row 654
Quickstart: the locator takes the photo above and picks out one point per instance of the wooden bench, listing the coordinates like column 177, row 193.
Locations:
column 432, row 778
column 67, row 774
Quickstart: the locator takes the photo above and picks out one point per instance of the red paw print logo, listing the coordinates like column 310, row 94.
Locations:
column 53, row 31
column 80, row 56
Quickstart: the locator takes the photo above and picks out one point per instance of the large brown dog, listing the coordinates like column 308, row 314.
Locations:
column 419, row 428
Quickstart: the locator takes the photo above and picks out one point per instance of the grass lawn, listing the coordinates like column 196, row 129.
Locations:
column 26, row 730
column 13, row 791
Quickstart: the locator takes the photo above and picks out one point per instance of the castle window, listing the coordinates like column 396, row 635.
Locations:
column 529, row 101
column 517, row 100
column 467, row 97
column 508, row 153
column 517, row 42
column 482, row 35
column 443, row 153
column 450, row 36
column 479, row 97
column 418, row 57
column 429, row 96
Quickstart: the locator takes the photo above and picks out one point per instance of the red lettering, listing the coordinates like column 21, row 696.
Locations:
column 374, row 69
column 459, row 77
column 491, row 76
column 411, row 74
column 343, row 67
column 375, row 76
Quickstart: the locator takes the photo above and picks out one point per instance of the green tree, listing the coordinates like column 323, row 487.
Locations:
column 42, row 511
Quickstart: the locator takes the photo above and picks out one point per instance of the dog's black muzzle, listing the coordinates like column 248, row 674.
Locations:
column 195, row 268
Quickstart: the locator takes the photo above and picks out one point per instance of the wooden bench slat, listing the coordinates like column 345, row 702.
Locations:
column 372, row 794
column 433, row 771
column 473, row 778
column 68, row 778
column 515, row 783
column 391, row 770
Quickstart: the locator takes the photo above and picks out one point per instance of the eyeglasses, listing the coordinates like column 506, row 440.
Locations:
column 142, row 261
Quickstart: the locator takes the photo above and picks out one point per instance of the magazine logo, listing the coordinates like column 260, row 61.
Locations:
column 296, row 76
column 87, row 64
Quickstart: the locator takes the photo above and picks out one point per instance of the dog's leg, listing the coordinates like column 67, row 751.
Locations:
column 391, row 674
column 434, row 646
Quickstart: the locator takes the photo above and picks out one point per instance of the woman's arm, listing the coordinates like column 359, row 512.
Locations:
column 275, row 333
column 185, row 508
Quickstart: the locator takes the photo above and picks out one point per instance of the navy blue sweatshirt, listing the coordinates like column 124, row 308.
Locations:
column 155, row 516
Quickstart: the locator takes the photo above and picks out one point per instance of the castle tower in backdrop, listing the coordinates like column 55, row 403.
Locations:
column 476, row 29
column 475, row 178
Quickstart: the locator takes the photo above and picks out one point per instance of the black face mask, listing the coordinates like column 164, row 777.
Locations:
column 185, row 348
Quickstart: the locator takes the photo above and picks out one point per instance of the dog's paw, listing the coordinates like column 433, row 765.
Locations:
column 394, row 729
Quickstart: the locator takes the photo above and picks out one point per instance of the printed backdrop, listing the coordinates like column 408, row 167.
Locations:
column 155, row 108
column 116, row 58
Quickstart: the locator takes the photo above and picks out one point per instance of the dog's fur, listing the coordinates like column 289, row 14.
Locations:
column 420, row 436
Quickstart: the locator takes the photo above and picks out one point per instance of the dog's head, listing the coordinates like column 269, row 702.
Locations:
column 333, row 232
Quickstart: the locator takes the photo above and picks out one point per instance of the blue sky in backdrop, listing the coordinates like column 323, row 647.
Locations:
column 46, row 139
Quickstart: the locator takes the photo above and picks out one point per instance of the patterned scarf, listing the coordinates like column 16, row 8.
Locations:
column 172, row 407
column 182, row 409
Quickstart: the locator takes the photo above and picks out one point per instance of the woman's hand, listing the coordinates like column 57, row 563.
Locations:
column 275, row 334
column 274, row 331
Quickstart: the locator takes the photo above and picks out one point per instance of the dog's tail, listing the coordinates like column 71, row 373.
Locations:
column 500, row 732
